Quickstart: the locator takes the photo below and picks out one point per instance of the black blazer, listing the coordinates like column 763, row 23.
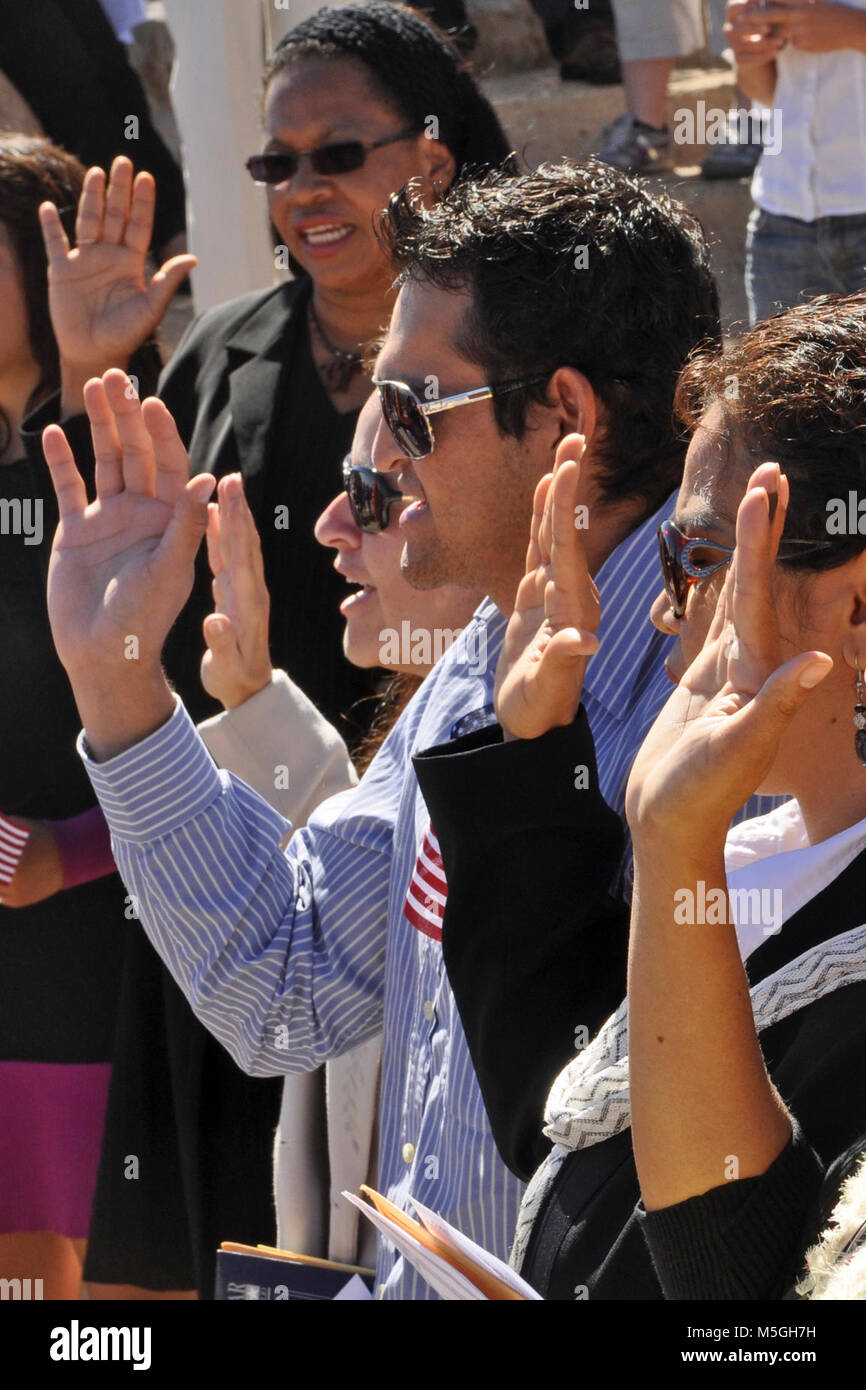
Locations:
column 227, row 387
column 229, row 370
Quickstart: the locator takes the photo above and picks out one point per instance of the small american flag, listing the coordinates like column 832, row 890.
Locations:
column 13, row 838
column 428, row 890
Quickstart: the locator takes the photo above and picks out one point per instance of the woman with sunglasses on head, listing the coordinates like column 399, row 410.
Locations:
column 737, row 1102
column 357, row 101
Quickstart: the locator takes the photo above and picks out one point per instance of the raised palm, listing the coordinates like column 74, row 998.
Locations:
column 551, row 633
column 102, row 304
column 237, row 663
column 122, row 566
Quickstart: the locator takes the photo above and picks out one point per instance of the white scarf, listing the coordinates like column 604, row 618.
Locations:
column 589, row 1101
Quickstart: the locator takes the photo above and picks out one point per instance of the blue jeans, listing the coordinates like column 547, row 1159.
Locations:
column 789, row 261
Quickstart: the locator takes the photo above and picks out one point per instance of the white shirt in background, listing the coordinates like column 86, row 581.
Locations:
column 820, row 167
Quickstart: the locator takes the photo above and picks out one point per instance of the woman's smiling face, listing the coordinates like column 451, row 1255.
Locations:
column 328, row 221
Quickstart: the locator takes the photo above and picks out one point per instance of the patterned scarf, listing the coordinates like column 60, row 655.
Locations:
column 589, row 1100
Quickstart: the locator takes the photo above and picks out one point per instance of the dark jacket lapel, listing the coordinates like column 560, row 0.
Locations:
column 260, row 357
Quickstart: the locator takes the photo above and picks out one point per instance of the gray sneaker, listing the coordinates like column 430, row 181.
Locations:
column 636, row 149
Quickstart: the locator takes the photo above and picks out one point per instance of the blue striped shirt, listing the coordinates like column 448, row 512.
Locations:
column 293, row 957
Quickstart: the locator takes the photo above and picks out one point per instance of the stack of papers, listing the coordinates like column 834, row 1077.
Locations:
column 453, row 1265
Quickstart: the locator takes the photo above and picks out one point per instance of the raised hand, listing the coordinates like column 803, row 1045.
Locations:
column 717, row 737
column 551, row 633
column 122, row 567
column 816, row 26
column 754, row 40
column 102, row 304
column 237, row 663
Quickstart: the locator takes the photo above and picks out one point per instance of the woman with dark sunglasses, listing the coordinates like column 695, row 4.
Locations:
column 357, row 101
column 735, row 1073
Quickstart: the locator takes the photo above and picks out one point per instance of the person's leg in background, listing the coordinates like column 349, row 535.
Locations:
column 652, row 34
column 581, row 39
column 646, row 89
column 737, row 156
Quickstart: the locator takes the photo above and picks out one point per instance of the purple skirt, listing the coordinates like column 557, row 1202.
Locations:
column 51, row 1121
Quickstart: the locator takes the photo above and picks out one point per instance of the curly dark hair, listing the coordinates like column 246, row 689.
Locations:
column 414, row 66
column 574, row 265
column 793, row 391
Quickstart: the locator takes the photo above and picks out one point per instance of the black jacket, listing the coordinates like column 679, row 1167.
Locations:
column 228, row 372
column 229, row 385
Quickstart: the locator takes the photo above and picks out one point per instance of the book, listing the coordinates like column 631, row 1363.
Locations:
column 453, row 1265
column 253, row 1273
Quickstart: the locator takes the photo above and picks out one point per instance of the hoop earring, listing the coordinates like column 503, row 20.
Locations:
column 860, row 720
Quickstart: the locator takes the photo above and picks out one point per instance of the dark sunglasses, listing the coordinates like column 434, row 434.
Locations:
column 407, row 417
column 342, row 157
column 685, row 560
column 370, row 495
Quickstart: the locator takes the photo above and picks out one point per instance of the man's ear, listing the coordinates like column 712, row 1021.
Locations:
column 438, row 164
column 578, row 404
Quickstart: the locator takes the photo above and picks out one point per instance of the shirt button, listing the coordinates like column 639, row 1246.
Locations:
column 408, row 1153
column 428, row 1010
column 380, row 1291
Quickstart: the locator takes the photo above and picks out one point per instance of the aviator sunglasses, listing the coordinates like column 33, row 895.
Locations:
column 686, row 560
column 407, row 417
column 341, row 157
column 371, row 496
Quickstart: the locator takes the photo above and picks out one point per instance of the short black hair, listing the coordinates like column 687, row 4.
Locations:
column 415, row 67
column 574, row 264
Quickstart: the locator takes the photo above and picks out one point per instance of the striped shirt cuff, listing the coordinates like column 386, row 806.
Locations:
column 157, row 785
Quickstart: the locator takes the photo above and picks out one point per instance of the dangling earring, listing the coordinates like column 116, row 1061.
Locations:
column 860, row 720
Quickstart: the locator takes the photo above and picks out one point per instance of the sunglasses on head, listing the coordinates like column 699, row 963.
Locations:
column 341, row 157
column 407, row 417
column 685, row 560
column 371, row 496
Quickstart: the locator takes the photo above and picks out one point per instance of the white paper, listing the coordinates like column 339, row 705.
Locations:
column 440, row 1227
column 448, row 1282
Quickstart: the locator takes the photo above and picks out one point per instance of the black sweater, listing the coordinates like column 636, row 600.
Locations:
column 535, row 948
